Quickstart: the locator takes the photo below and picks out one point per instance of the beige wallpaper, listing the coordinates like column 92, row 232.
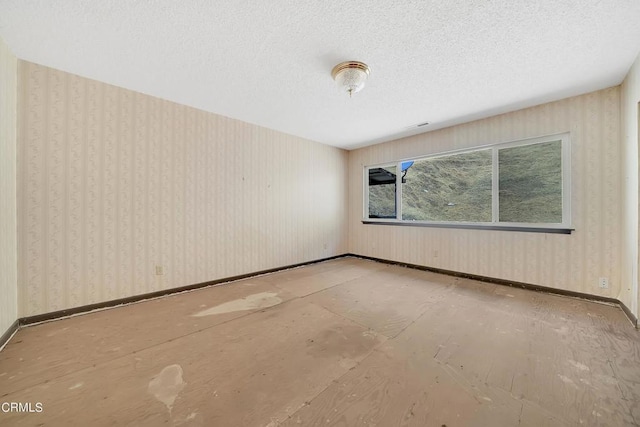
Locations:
column 573, row 262
column 113, row 183
column 8, row 118
column 630, row 142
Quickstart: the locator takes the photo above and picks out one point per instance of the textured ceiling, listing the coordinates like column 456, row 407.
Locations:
column 269, row 62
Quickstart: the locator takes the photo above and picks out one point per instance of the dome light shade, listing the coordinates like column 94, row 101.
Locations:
column 351, row 75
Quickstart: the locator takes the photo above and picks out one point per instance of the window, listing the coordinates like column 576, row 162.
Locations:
column 516, row 185
column 449, row 188
column 530, row 183
column 382, row 192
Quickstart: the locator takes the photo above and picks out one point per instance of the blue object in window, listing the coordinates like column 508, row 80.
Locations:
column 406, row 165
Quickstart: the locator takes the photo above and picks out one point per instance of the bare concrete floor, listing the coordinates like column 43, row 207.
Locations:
column 347, row 342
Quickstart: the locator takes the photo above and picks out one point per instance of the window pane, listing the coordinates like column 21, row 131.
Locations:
column 451, row 188
column 382, row 192
column 530, row 183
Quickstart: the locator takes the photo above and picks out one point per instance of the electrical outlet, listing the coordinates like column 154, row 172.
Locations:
column 603, row 282
column 435, row 254
column 159, row 270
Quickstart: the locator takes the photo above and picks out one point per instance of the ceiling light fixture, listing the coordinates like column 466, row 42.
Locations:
column 350, row 75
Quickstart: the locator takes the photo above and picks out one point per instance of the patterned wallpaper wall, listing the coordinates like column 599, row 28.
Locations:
column 630, row 140
column 573, row 262
column 8, row 119
column 113, row 183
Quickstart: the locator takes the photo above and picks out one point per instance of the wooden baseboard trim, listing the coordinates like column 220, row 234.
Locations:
column 4, row 339
column 503, row 282
column 627, row 311
column 29, row 320
column 45, row 317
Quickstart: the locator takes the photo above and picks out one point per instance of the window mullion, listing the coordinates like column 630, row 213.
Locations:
column 399, row 190
column 365, row 189
column 495, row 205
column 566, row 180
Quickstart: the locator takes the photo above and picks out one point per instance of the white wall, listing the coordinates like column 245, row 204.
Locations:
column 573, row 262
column 630, row 141
column 8, row 243
column 112, row 183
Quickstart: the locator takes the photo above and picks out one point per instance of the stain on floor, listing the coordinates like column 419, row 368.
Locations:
column 251, row 302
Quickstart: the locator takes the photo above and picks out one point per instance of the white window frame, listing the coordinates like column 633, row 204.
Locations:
column 565, row 226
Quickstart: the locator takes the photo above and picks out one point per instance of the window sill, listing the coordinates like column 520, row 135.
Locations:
column 474, row 227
